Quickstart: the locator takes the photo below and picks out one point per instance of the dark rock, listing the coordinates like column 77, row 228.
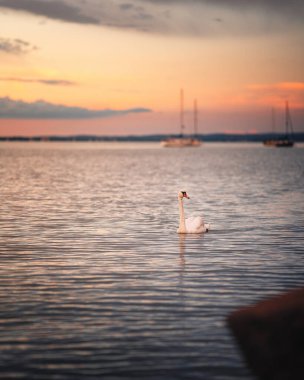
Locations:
column 271, row 336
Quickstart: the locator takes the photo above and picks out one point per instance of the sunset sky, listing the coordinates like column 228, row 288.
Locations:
column 114, row 67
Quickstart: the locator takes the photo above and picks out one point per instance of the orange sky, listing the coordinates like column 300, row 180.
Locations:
column 73, row 67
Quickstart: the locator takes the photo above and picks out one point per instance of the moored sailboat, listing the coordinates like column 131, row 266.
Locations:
column 285, row 141
column 181, row 141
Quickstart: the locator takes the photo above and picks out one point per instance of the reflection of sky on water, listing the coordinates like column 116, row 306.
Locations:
column 91, row 261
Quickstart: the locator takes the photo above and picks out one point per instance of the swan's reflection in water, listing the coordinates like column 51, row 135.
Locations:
column 181, row 241
column 182, row 245
column 185, row 241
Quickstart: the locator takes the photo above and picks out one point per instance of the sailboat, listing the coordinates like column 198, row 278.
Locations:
column 181, row 141
column 286, row 140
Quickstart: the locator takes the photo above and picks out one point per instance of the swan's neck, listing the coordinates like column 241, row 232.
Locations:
column 182, row 224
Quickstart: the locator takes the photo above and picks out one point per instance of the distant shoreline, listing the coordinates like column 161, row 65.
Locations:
column 216, row 137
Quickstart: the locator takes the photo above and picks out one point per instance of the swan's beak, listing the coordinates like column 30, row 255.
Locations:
column 185, row 195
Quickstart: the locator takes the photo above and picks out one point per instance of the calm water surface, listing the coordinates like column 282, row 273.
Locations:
column 95, row 282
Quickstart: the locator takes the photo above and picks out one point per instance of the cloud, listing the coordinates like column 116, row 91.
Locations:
column 290, row 86
column 293, row 91
column 228, row 17
column 52, row 82
column 270, row 95
column 15, row 46
column 54, row 9
column 18, row 109
column 176, row 17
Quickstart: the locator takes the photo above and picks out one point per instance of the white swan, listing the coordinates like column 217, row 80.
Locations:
column 192, row 225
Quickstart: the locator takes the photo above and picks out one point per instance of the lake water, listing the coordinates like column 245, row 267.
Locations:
column 97, row 284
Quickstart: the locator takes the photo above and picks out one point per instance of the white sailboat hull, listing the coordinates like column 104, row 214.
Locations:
column 180, row 142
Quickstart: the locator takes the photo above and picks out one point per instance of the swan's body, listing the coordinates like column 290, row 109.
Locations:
column 192, row 225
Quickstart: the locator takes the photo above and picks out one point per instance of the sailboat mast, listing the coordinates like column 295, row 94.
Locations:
column 195, row 117
column 273, row 120
column 286, row 118
column 182, row 111
column 288, row 122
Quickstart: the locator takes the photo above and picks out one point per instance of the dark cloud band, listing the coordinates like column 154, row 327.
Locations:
column 55, row 9
column 179, row 17
column 17, row 109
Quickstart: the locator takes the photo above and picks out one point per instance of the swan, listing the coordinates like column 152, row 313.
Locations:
column 192, row 225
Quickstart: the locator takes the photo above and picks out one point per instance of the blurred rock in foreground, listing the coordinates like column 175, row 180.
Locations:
column 271, row 336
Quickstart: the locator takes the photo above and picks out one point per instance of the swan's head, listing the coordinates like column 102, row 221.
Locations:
column 183, row 194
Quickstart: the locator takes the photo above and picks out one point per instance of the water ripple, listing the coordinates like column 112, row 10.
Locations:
column 95, row 282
